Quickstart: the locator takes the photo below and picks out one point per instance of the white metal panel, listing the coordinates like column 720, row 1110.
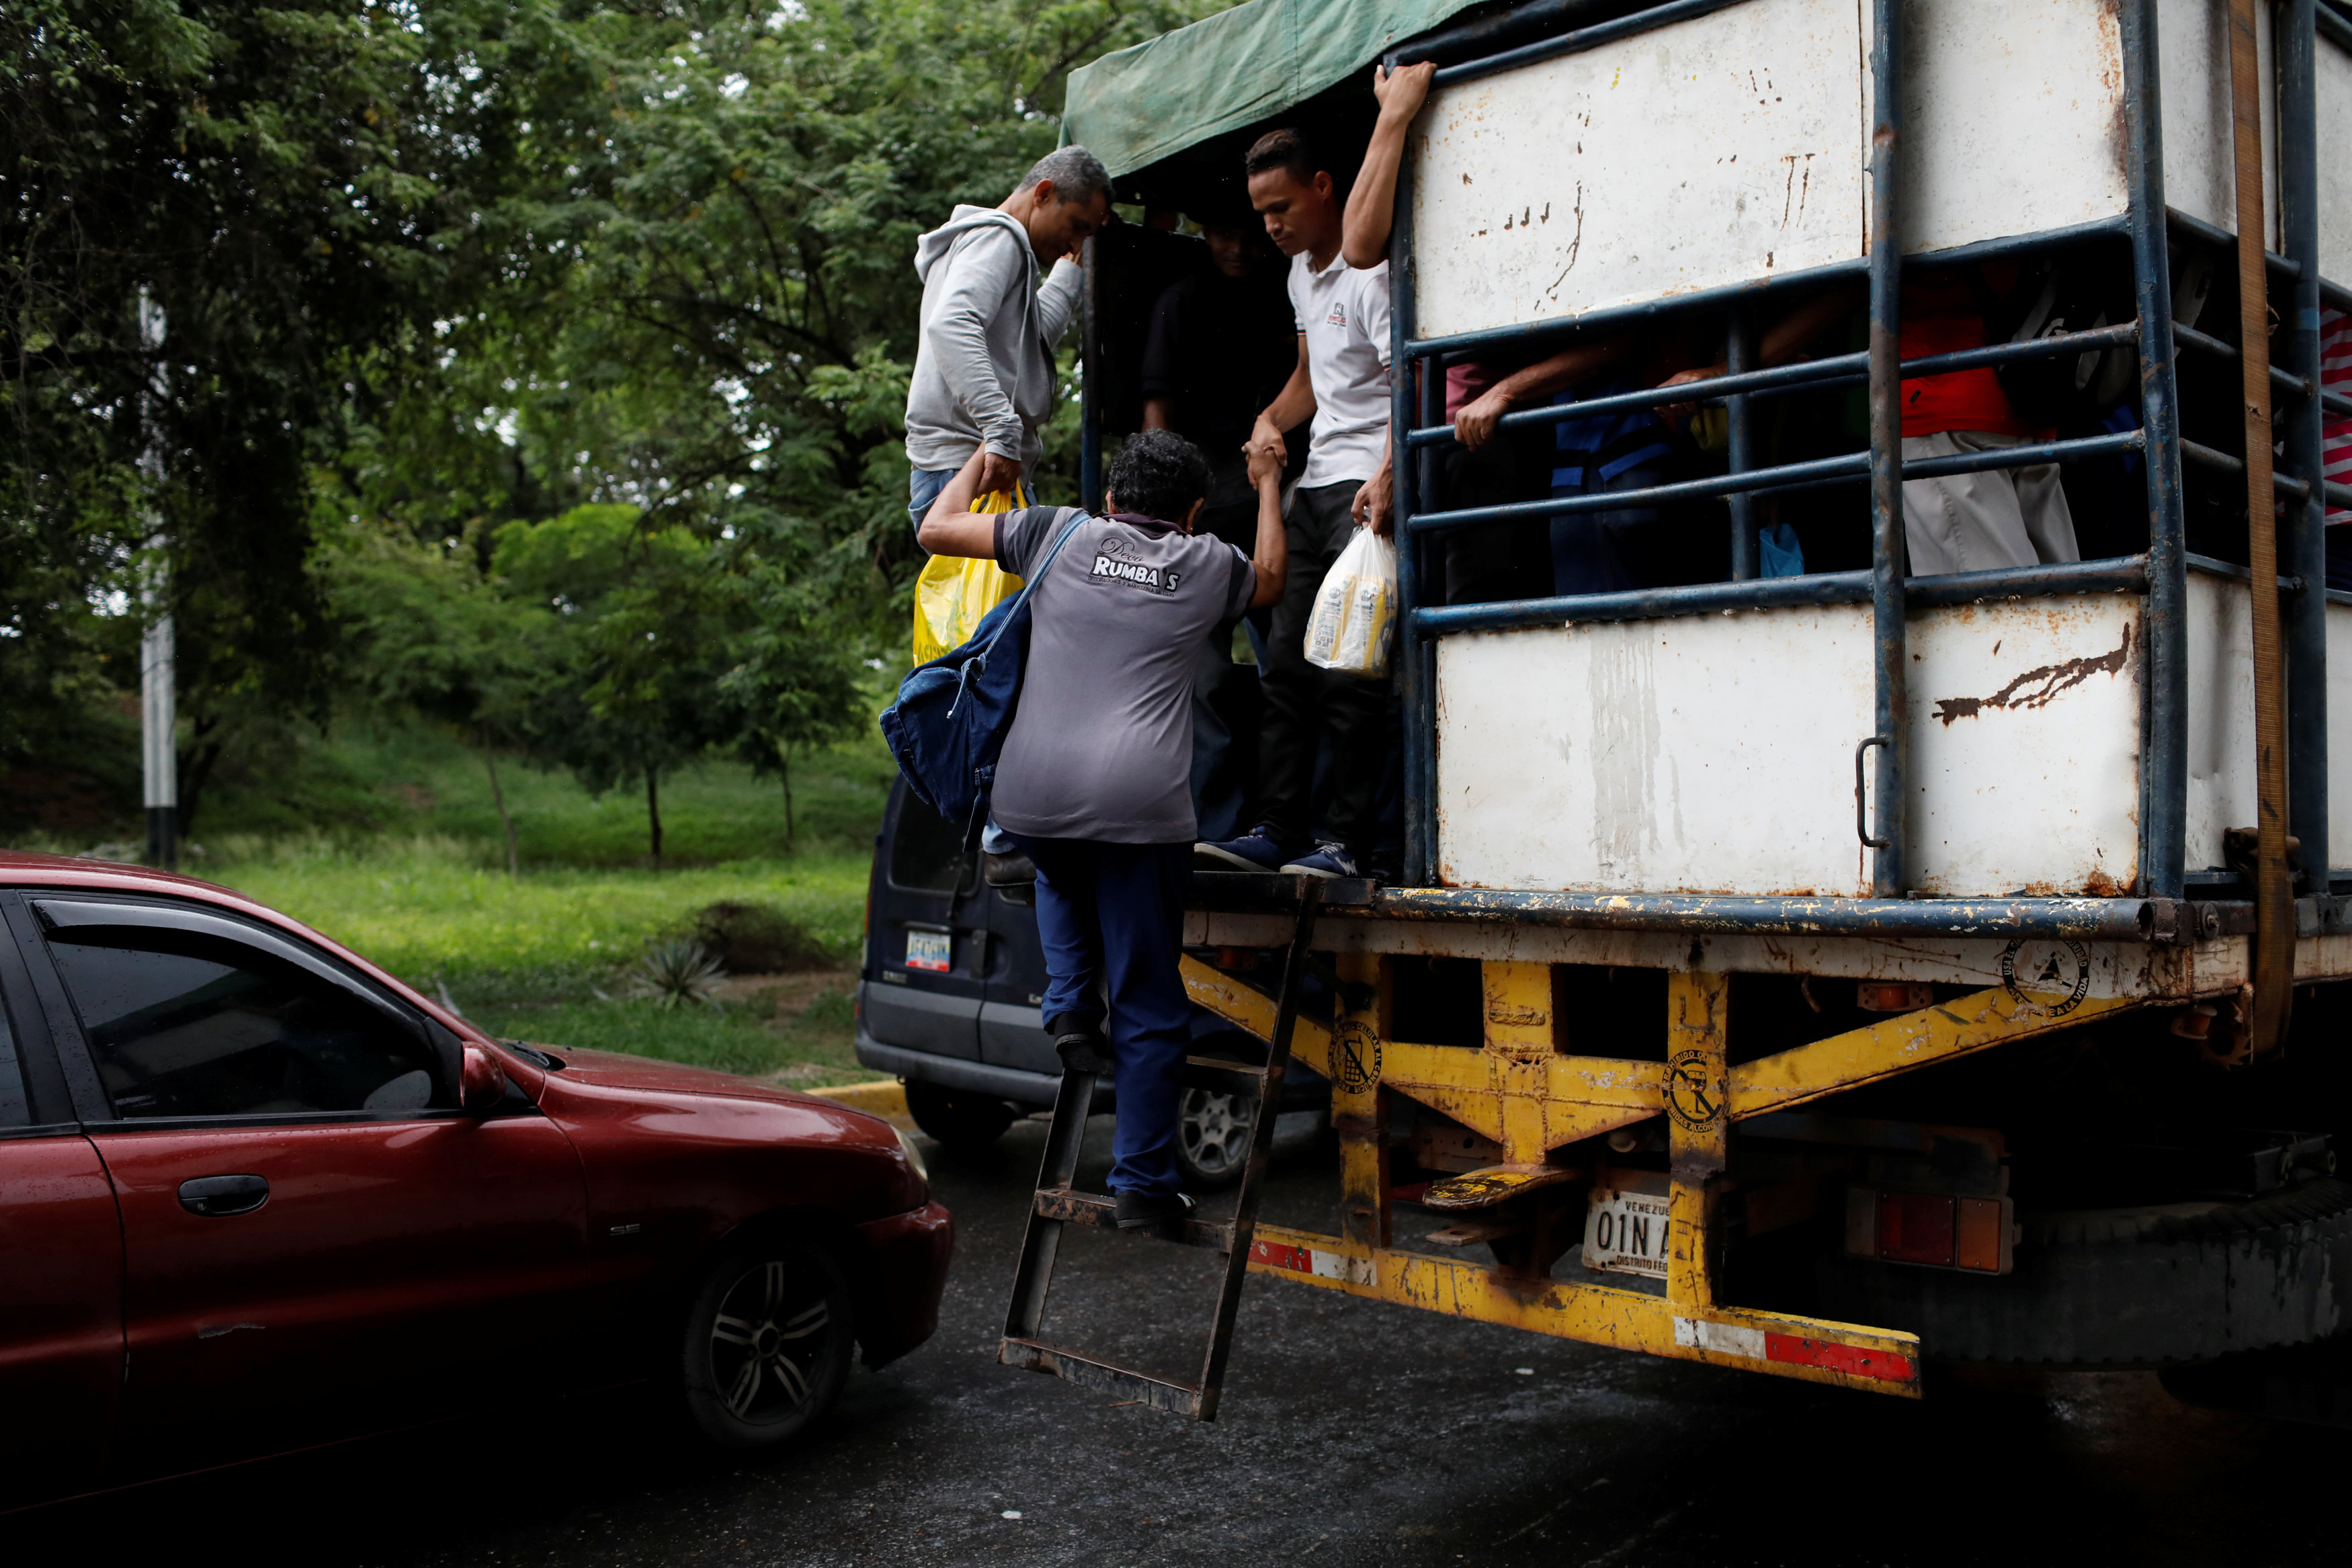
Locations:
column 2220, row 716
column 2012, row 118
column 1713, row 754
column 2024, row 763
column 2192, row 48
column 1714, row 150
column 2335, row 95
column 2340, row 735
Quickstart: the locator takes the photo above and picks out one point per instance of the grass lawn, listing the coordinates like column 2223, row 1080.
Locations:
column 548, row 955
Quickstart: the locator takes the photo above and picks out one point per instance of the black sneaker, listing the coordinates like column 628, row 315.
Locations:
column 1138, row 1210
column 1327, row 860
column 1016, row 869
column 1085, row 1051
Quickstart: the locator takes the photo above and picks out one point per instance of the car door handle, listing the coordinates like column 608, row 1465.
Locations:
column 214, row 1195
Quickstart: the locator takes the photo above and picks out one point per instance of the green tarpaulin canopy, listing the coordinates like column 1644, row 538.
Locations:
column 1138, row 105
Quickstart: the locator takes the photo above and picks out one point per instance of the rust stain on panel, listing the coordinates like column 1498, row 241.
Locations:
column 2038, row 687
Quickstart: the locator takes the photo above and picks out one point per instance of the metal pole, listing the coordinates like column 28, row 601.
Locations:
column 158, row 683
column 2164, row 769
column 1414, row 657
column 2294, row 28
column 1739, row 357
column 1894, row 708
column 2273, row 898
column 1433, row 406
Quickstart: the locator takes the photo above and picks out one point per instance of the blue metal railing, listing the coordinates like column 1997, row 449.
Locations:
column 2160, row 573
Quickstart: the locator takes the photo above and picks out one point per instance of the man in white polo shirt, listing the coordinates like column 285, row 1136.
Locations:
column 1343, row 384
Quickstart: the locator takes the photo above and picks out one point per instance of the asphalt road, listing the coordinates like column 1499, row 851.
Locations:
column 1352, row 1433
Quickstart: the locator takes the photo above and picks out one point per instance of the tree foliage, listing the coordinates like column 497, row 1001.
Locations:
column 436, row 269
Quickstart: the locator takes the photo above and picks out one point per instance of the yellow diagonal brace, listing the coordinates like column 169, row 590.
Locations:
column 1252, row 1011
column 1580, row 1096
column 1939, row 1033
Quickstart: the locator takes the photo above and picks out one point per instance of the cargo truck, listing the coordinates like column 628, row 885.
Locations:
column 1826, row 973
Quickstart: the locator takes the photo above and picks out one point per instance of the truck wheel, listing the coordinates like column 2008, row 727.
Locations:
column 957, row 1119
column 767, row 1343
column 1212, row 1138
column 2176, row 1283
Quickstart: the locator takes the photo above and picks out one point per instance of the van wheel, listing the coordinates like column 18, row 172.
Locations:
column 957, row 1119
column 767, row 1343
column 1212, row 1138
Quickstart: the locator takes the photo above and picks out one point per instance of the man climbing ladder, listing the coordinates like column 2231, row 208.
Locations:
column 1095, row 780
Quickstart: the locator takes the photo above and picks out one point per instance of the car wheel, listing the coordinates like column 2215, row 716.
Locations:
column 767, row 1344
column 1212, row 1138
column 958, row 1119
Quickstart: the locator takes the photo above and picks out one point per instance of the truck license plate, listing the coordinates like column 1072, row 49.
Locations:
column 928, row 950
column 1625, row 1232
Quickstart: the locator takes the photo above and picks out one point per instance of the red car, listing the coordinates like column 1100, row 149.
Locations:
column 255, row 1191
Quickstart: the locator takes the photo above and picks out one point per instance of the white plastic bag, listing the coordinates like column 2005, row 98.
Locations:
column 1355, row 610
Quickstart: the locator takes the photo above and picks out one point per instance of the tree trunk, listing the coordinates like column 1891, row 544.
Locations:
column 785, row 765
column 196, row 771
column 491, row 761
column 653, row 811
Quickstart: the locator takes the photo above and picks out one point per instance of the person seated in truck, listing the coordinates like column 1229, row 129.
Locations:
column 1340, row 381
column 1984, row 521
column 1094, row 782
column 1222, row 344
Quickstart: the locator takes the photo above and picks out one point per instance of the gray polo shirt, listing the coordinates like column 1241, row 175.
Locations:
column 1101, row 746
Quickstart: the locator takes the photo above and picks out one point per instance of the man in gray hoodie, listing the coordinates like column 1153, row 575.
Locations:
column 984, row 364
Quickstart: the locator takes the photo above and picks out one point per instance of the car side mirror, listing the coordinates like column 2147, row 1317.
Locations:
column 480, row 1085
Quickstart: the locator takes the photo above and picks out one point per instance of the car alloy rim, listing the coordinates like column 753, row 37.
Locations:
column 765, row 1342
column 1216, row 1128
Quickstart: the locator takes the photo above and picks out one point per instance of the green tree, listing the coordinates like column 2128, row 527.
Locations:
column 734, row 340
column 302, row 187
column 425, row 632
column 645, row 618
column 795, row 685
column 431, row 265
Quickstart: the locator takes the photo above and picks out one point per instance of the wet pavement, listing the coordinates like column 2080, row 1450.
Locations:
column 1352, row 1432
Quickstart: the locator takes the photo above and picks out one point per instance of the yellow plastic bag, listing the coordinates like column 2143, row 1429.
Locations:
column 955, row 590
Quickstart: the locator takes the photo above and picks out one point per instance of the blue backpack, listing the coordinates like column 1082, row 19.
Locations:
column 954, row 713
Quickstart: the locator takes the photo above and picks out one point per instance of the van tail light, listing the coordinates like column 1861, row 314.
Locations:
column 1934, row 1229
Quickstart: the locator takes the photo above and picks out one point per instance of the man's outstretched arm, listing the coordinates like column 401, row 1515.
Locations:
column 1372, row 205
column 1475, row 423
column 1272, row 557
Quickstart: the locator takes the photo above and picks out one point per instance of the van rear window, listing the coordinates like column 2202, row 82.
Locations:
column 925, row 850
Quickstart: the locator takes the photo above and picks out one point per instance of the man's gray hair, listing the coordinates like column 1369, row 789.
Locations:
column 1078, row 174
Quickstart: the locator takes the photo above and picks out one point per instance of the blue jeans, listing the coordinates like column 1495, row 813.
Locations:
column 1111, row 916
column 923, row 487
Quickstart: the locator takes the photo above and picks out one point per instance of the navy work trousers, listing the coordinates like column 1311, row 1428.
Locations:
column 1111, row 917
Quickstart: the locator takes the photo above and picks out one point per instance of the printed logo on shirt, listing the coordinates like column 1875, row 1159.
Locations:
column 1339, row 316
column 1116, row 562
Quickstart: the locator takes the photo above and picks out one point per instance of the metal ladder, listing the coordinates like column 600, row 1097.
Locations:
column 1057, row 1205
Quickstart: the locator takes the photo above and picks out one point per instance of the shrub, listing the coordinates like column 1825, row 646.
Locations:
column 675, row 972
